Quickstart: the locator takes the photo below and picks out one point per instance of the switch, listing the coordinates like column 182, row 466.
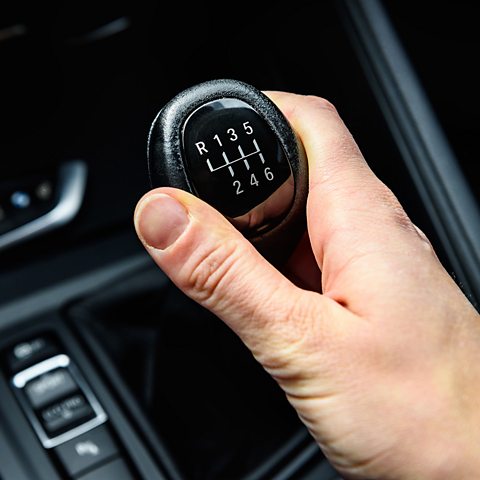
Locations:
column 87, row 450
column 49, row 387
column 57, row 400
column 31, row 351
column 20, row 199
column 44, row 191
column 65, row 414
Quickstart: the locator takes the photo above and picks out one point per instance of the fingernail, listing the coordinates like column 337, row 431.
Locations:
column 160, row 220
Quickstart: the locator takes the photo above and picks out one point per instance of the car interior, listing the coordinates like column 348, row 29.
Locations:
column 107, row 370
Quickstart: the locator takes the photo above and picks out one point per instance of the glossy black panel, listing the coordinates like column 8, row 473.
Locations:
column 235, row 162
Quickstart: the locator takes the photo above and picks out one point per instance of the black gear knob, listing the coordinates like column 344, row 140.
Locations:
column 228, row 143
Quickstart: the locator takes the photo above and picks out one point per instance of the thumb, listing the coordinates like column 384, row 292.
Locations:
column 215, row 265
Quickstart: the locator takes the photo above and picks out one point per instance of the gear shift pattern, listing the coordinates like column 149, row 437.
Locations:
column 228, row 143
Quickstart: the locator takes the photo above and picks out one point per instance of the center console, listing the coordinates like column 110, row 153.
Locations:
column 107, row 371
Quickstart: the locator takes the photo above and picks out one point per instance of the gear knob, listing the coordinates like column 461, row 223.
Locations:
column 228, row 143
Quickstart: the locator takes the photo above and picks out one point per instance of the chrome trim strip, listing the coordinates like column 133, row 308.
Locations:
column 72, row 179
column 22, row 378
column 105, row 31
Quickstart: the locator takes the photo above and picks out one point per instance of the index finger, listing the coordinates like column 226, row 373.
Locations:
column 349, row 210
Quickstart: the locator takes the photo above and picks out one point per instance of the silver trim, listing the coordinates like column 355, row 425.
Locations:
column 59, row 361
column 72, row 179
column 105, row 31
column 22, row 378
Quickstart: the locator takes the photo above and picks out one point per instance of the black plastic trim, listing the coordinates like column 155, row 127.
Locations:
column 54, row 297
column 132, row 409
column 21, row 454
column 415, row 128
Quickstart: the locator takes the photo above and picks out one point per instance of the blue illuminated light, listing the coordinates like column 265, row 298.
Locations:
column 20, row 199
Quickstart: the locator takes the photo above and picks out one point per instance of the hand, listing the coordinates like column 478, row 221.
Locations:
column 380, row 354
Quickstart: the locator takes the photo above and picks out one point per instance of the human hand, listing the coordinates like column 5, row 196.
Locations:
column 380, row 354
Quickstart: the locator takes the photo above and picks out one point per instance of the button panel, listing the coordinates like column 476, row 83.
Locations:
column 57, row 400
column 63, row 410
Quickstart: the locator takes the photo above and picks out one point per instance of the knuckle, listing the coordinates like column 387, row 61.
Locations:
column 400, row 219
column 207, row 269
column 342, row 147
column 396, row 212
column 296, row 336
column 424, row 239
column 321, row 103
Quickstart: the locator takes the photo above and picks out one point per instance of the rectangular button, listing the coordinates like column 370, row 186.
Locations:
column 49, row 387
column 31, row 351
column 117, row 469
column 66, row 414
column 87, row 450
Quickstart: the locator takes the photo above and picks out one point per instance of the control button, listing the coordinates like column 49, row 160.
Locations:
column 67, row 413
column 27, row 353
column 116, row 469
column 88, row 450
column 49, row 387
column 20, row 199
column 44, row 190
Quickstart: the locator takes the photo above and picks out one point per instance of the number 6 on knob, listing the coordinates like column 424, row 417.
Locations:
column 228, row 143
